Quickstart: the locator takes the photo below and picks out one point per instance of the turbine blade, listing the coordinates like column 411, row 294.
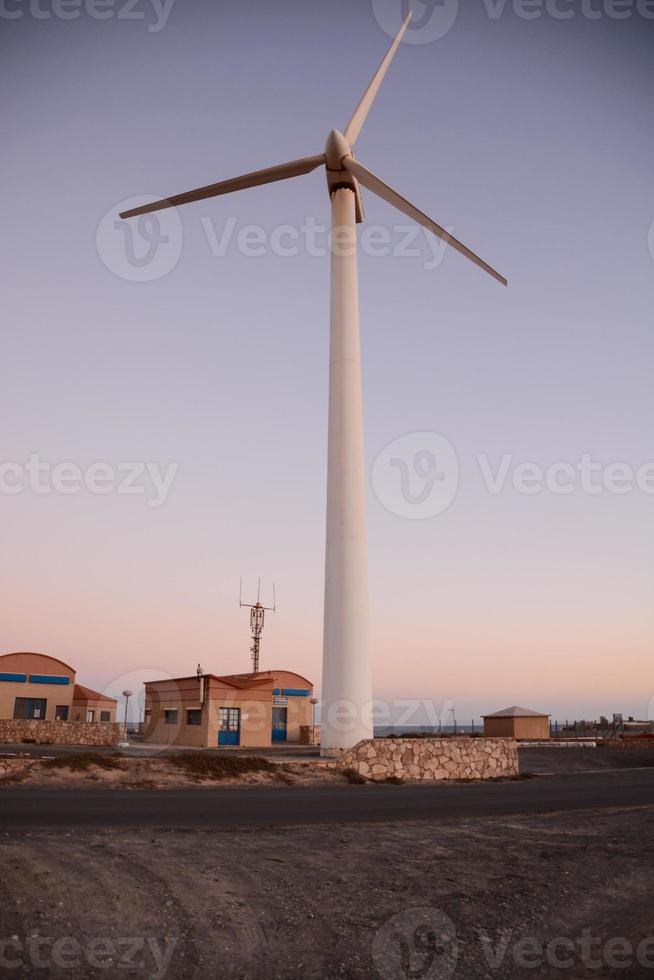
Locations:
column 373, row 183
column 281, row 172
column 353, row 128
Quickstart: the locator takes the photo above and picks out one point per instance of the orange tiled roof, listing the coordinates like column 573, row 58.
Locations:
column 81, row 693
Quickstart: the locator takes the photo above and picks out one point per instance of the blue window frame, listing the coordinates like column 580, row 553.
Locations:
column 49, row 679
column 6, row 675
column 298, row 692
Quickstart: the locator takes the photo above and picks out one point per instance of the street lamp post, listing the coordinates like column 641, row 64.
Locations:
column 127, row 695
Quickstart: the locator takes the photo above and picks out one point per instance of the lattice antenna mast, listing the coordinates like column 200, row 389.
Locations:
column 257, row 611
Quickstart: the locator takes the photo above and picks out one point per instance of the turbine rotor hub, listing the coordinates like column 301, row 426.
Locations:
column 336, row 149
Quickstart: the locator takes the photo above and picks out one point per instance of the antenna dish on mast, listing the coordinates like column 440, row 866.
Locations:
column 257, row 611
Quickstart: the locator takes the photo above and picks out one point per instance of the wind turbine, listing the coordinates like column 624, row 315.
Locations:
column 346, row 687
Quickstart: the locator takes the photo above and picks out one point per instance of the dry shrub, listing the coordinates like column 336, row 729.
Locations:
column 203, row 765
column 354, row 777
column 82, row 761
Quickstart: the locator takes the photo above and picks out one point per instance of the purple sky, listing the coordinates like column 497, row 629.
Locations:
column 532, row 139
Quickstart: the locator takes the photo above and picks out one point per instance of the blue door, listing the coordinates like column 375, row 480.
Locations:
column 279, row 724
column 229, row 726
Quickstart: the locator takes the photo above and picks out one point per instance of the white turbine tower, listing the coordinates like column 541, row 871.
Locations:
column 346, row 688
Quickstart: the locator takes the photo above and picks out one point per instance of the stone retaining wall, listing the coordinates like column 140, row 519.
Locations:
column 430, row 758
column 60, row 732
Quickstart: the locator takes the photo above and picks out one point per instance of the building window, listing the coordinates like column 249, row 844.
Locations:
column 61, row 712
column 90, row 714
column 105, row 716
column 170, row 716
column 194, row 716
column 28, row 708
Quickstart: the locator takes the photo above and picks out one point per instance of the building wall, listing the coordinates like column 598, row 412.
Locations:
column 35, row 665
column 298, row 707
column 182, row 695
column 256, row 713
column 536, row 727
column 81, row 707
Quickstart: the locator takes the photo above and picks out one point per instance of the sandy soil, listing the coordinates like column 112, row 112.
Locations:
column 158, row 773
column 335, row 902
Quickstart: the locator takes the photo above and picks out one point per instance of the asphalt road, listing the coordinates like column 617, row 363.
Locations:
column 26, row 808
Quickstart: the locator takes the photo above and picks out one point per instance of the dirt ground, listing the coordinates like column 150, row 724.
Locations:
column 477, row 898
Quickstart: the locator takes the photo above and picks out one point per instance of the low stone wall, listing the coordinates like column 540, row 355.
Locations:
column 60, row 732
column 430, row 758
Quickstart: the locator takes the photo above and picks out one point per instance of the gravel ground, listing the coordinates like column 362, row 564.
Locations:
column 553, row 758
column 335, row 902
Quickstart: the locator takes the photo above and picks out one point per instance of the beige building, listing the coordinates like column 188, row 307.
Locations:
column 35, row 686
column 253, row 710
column 517, row 722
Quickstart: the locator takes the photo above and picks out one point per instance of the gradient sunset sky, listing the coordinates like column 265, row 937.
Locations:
column 531, row 139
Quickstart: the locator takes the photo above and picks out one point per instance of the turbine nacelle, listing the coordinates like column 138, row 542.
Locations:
column 337, row 151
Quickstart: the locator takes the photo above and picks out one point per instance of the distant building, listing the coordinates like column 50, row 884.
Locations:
column 253, row 710
column 37, row 687
column 517, row 722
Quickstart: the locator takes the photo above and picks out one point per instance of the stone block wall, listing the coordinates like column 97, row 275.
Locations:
column 431, row 758
column 309, row 735
column 60, row 732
